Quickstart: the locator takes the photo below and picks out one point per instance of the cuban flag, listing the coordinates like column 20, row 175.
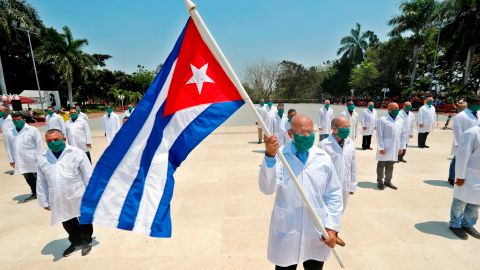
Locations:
column 132, row 184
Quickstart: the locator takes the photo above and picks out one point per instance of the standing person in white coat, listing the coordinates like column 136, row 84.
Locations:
column 391, row 141
column 54, row 121
column 325, row 117
column 24, row 144
column 408, row 120
column 466, row 193
column 78, row 133
column 279, row 124
column 293, row 238
column 427, row 117
column 268, row 115
column 286, row 137
column 63, row 174
column 129, row 111
column 81, row 114
column 369, row 123
column 352, row 116
column 260, row 108
column 342, row 152
column 6, row 126
column 463, row 121
column 111, row 124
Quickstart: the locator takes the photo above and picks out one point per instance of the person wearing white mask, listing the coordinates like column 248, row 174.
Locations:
column 78, row 133
column 427, row 118
column 369, row 123
column 341, row 150
column 81, row 114
column 293, row 237
column 391, row 141
column 24, row 144
column 466, row 192
column 352, row 117
column 279, row 123
column 325, row 117
column 129, row 111
column 260, row 108
column 111, row 124
column 54, row 121
column 463, row 121
column 408, row 120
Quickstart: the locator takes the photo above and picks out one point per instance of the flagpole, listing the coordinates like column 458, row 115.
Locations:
column 217, row 52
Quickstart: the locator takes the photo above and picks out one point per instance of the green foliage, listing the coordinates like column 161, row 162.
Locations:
column 354, row 45
column 143, row 77
column 364, row 78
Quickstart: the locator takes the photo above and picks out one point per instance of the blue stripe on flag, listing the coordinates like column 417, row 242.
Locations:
column 117, row 150
column 190, row 137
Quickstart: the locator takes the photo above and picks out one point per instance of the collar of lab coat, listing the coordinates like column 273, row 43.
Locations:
column 50, row 154
column 289, row 149
column 333, row 141
column 15, row 131
column 389, row 117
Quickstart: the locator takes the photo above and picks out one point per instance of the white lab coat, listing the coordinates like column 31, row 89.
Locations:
column 7, row 125
column 345, row 164
column 56, row 122
column 127, row 113
column 467, row 167
column 268, row 116
column 286, row 128
column 461, row 123
column 408, row 121
column 391, row 137
column 428, row 117
column 353, row 123
column 279, row 128
column 293, row 237
column 78, row 133
column 61, row 182
column 23, row 148
column 369, row 121
column 111, row 126
column 325, row 118
column 83, row 116
column 260, row 111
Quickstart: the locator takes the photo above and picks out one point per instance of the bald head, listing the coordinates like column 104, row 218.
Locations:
column 327, row 101
column 5, row 111
column 392, row 106
column 340, row 122
column 301, row 125
column 406, row 104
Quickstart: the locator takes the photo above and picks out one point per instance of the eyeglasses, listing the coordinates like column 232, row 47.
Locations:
column 304, row 133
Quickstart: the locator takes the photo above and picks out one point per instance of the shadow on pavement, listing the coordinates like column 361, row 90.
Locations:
column 369, row 185
column 255, row 142
column 439, row 228
column 438, row 183
column 10, row 172
column 56, row 248
column 259, row 151
column 21, row 198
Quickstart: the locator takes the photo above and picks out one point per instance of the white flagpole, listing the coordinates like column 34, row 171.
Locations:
column 217, row 52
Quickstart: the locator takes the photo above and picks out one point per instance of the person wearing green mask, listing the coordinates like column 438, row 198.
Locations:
column 369, row 123
column 54, row 121
column 341, row 150
column 409, row 119
column 5, row 120
column 81, row 114
column 111, row 124
column 78, row 133
column 325, row 117
column 427, row 118
column 352, row 117
column 24, row 144
column 279, row 124
column 391, row 141
column 291, row 240
column 63, row 174
column 260, row 108
column 463, row 121
column 268, row 115
column 129, row 111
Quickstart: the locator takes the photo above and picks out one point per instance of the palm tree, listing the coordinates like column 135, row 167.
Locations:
column 415, row 15
column 354, row 45
column 65, row 54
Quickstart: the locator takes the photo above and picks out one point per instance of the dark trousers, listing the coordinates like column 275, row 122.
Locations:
column 78, row 233
column 31, row 181
column 400, row 157
column 307, row 265
column 422, row 139
column 88, row 155
column 366, row 142
column 385, row 168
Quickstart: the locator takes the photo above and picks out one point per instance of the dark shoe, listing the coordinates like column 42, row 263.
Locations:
column 390, row 185
column 381, row 186
column 31, row 198
column 451, row 182
column 86, row 248
column 340, row 242
column 459, row 232
column 471, row 231
column 426, row 146
column 69, row 250
column 421, row 146
column 403, row 160
column 259, row 142
column 370, row 148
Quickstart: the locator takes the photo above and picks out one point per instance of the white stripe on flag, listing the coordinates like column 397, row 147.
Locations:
column 157, row 174
column 110, row 205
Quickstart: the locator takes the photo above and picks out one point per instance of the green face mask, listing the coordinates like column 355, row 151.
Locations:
column 371, row 107
column 343, row 132
column 130, row 108
column 270, row 104
column 408, row 108
column 280, row 112
column 56, row 146
column 395, row 112
column 474, row 108
column 303, row 143
column 2, row 114
column 50, row 112
column 109, row 111
column 351, row 108
column 262, row 103
column 430, row 103
column 327, row 106
column 74, row 116
column 19, row 124
column 78, row 111
column 289, row 118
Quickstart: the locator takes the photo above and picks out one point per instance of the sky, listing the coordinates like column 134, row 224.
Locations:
column 143, row 32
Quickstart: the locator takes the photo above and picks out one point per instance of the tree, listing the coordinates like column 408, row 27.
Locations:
column 143, row 77
column 354, row 45
column 364, row 78
column 415, row 15
column 337, row 78
column 261, row 78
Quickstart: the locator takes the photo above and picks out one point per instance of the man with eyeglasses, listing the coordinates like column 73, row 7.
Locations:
column 293, row 237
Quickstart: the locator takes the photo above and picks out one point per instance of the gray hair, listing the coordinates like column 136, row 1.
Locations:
column 53, row 131
column 336, row 121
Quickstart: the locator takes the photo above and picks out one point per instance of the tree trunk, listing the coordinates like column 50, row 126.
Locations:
column 468, row 65
column 70, row 94
column 414, row 64
column 3, row 86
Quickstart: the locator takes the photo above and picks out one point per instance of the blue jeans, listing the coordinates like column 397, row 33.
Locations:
column 463, row 214
column 451, row 171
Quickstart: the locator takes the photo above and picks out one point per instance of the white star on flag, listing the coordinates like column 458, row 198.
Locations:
column 199, row 77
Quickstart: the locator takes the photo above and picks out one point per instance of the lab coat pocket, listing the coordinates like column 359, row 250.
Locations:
column 75, row 191
column 68, row 172
column 283, row 220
